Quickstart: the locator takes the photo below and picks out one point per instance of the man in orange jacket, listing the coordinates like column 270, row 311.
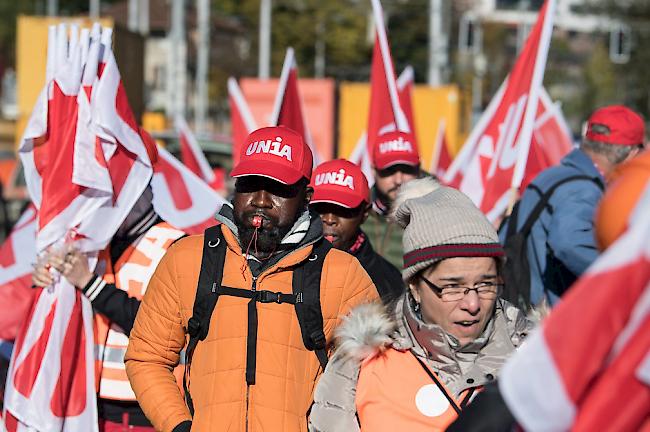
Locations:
column 251, row 370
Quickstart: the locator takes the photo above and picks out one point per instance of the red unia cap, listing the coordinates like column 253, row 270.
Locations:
column 276, row 152
column 339, row 182
column 395, row 148
column 616, row 124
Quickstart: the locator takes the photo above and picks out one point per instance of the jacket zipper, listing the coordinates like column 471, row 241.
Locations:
column 248, row 388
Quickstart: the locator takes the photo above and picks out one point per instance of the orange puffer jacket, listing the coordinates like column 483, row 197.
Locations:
column 286, row 371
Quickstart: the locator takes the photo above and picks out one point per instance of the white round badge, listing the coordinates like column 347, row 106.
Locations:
column 430, row 401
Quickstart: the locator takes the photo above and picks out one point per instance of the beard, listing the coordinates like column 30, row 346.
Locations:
column 268, row 239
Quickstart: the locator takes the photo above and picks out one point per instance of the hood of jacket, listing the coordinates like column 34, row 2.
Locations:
column 371, row 329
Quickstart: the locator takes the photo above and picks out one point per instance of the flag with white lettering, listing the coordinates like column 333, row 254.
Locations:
column 591, row 357
column 242, row 122
column 492, row 162
column 288, row 107
column 551, row 138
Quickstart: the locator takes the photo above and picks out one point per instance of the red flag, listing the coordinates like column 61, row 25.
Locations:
column 405, row 83
column 242, row 121
column 385, row 113
column 17, row 254
column 192, row 155
column 381, row 117
column 597, row 340
column 441, row 158
column 493, row 160
column 551, row 139
column 181, row 198
column 287, row 109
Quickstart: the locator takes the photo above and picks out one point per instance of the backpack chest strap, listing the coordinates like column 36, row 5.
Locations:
column 262, row 296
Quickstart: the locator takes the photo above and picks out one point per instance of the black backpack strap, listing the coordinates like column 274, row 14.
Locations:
column 546, row 196
column 207, row 294
column 517, row 273
column 306, row 287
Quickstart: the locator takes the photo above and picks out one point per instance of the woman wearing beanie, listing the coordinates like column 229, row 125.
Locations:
column 415, row 364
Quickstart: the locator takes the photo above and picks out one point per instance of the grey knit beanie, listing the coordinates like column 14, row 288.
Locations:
column 441, row 222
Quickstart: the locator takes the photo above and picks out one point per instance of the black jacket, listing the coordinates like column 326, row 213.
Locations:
column 386, row 277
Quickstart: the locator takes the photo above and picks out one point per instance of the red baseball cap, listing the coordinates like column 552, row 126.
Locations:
column 276, row 152
column 395, row 148
column 616, row 124
column 340, row 182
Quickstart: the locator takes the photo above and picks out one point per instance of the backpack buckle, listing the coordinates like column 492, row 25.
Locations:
column 269, row 297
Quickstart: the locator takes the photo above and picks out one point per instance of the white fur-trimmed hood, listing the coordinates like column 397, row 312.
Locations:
column 365, row 332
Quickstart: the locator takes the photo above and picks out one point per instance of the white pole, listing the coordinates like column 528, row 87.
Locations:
column 265, row 40
column 93, row 9
column 143, row 15
column 201, row 99
column 176, row 61
column 132, row 22
column 52, row 7
column 437, row 43
column 319, row 59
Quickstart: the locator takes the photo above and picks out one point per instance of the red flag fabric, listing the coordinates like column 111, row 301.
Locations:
column 441, row 158
column 17, row 254
column 361, row 153
column 191, row 154
column 287, row 109
column 405, row 84
column 595, row 341
column 493, row 160
column 181, row 198
column 385, row 114
column 241, row 118
column 551, row 139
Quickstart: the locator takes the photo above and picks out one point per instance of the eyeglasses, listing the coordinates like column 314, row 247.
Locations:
column 452, row 293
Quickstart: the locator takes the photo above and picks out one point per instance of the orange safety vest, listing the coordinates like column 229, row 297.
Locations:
column 395, row 392
column 131, row 273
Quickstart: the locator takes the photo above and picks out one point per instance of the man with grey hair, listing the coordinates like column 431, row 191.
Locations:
column 561, row 245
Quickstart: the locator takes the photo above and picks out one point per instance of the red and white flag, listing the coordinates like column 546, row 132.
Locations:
column 591, row 357
column 382, row 117
column 191, row 154
column 405, row 84
column 241, row 118
column 386, row 114
column 551, row 139
column 86, row 164
column 181, row 198
column 493, row 160
column 441, row 158
column 288, row 108
column 17, row 254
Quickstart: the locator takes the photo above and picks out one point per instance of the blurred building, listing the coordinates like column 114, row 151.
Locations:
column 170, row 64
column 494, row 31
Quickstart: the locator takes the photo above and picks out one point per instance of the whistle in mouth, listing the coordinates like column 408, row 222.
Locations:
column 257, row 221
